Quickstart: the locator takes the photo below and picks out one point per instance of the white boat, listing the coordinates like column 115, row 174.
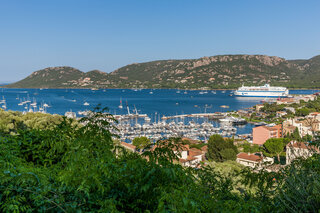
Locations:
column 262, row 91
column 3, row 101
column 86, row 104
column 120, row 106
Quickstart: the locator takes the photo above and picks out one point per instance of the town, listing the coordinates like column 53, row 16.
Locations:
column 284, row 131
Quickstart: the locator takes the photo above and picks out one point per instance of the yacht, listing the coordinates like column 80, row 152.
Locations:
column 120, row 106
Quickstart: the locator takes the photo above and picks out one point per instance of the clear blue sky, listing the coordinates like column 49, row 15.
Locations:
column 105, row 35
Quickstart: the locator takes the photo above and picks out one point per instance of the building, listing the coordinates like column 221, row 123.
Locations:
column 304, row 127
column 287, row 101
column 128, row 146
column 299, row 150
column 261, row 134
column 258, row 107
column 279, row 114
column 190, row 157
column 291, row 109
column 288, row 129
column 254, row 160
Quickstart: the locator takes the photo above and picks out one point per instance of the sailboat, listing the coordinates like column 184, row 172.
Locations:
column 120, row 106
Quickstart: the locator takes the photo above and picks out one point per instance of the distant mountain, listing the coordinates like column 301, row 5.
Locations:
column 223, row 71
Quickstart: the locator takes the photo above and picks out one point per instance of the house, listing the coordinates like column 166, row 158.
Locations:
column 279, row 114
column 286, row 101
column 254, row 160
column 303, row 126
column 261, row 134
column 190, row 157
column 291, row 109
column 314, row 115
column 288, row 129
column 129, row 146
column 299, row 150
column 258, row 107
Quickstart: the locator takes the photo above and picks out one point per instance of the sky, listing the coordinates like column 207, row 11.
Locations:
column 109, row 34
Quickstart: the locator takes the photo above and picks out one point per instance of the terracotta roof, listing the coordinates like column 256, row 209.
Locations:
column 251, row 157
column 204, row 148
column 302, row 145
column 128, row 145
column 194, row 152
column 290, row 127
column 189, row 158
column 314, row 113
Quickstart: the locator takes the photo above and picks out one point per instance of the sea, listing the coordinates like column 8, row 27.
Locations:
column 153, row 102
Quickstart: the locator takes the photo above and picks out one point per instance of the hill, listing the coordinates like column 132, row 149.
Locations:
column 216, row 72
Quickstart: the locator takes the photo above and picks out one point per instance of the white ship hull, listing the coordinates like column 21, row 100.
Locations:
column 260, row 94
column 262, row 91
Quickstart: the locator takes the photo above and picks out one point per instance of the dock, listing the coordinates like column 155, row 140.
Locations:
column 215, row 115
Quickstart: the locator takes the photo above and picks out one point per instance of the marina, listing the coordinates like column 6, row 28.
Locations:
column 162, row 113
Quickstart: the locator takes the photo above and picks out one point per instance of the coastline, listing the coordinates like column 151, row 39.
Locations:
column 93, row 88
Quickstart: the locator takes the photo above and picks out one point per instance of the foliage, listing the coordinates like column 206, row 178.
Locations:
column 223, row 72
column 303, row 111
column 295, row 135
column 79, row 168
column 141, row 142
column 275, row 146
column 250, row 148
column 220, row 149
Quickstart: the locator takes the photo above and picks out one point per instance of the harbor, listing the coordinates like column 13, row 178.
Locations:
column 154, row 113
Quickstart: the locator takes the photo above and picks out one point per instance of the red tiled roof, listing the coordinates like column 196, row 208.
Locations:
column 128, row 145
column 194, row 152
column 251, row 157
column 302, row 145
column 189, row 158
column 204, row 148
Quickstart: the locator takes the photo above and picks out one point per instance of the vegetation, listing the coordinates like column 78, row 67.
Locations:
column 74, row 168
column 141, row 142
column 250, row 148
column 220, row 149
column 275, row 146
column 216, row 72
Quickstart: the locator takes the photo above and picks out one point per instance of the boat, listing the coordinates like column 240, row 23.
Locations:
column 86, row 104
column 261, row 91
column 120, row 106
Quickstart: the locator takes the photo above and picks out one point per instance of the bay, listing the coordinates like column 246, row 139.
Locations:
column 153, row 102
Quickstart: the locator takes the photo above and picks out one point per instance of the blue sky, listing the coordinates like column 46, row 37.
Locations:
column 105, row 35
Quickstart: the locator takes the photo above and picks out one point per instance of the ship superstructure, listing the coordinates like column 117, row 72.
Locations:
column 262, row 91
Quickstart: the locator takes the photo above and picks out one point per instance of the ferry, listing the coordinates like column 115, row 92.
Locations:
column 262, row 91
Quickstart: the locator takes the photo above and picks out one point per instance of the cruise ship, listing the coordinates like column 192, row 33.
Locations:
column 262, row 91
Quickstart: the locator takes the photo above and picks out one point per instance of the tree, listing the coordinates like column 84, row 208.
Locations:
column 221, row 150
column 275, row 146
column 295, row 135
column 141, row 142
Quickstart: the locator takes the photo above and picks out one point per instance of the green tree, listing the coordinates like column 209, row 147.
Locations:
column 221, row 150
column 296, row 135
column 141, row 142
column 275, row 146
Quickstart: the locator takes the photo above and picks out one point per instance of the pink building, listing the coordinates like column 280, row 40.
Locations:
column 262, row 133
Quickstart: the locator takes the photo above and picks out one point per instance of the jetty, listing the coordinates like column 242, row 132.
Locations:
column 215, row 115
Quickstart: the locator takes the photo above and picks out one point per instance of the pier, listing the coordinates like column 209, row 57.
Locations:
column 215, row 115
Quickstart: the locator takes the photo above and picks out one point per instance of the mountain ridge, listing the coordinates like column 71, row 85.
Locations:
column 211, row 72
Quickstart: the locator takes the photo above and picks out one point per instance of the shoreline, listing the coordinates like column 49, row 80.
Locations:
column 140, row 88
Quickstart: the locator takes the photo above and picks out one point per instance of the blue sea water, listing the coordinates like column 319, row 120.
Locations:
column 154, row 102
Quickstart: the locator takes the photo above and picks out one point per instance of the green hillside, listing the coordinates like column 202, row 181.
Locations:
column 216, row 72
